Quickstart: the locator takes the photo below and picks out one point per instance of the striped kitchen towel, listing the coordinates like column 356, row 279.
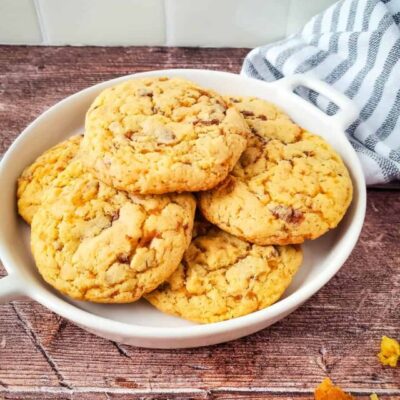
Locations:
column 355, row 46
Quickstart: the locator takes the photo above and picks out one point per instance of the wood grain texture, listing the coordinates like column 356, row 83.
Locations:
column 204, row 395
column 335, row 334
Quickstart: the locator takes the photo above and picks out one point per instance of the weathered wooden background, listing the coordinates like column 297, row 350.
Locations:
column 336, row 333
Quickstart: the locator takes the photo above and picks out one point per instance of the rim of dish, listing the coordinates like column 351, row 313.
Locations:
column 281, row 307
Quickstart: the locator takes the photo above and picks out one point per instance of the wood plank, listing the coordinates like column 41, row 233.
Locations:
column 287, row 396
column 23, row 361
column 206, row 395
column 96, row 395
column 336, row 333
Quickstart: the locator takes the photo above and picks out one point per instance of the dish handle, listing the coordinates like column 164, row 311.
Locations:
column 10, row 288
column 347, row 110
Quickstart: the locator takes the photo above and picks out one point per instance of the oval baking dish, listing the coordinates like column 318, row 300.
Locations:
column 138, row 323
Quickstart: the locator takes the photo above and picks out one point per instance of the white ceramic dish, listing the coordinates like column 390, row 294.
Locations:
column 140, row 324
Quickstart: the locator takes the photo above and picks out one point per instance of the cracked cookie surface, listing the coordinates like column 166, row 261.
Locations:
column 37, row 177
column 161, row 135
column 223, row 277
column 95, row 243
column 289, row 185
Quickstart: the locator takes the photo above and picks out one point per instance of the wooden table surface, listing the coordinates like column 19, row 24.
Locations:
column 336, row 333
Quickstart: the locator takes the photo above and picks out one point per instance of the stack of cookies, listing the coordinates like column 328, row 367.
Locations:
column 113, row 212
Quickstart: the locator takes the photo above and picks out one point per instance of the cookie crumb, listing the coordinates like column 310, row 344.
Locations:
column 390, row 351
column 326, row 390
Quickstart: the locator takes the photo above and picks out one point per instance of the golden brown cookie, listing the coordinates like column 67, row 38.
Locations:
column 289, row 185
column 37, row 177
column 223, row 277
column 161, row 135
column 93, row 242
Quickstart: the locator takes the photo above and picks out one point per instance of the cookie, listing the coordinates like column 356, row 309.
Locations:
column 288, row 186
column 36, row 178
column 266, row 119
column 223, row 277
column 161, row 135
column 93, row 242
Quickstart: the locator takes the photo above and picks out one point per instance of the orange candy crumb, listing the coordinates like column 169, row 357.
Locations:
column 328, row 391
column 390, row 351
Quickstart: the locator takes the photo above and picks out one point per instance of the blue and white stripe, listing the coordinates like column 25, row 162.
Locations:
column 355, row 46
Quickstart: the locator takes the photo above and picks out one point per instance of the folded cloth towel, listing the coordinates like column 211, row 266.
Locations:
column 355, row 46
